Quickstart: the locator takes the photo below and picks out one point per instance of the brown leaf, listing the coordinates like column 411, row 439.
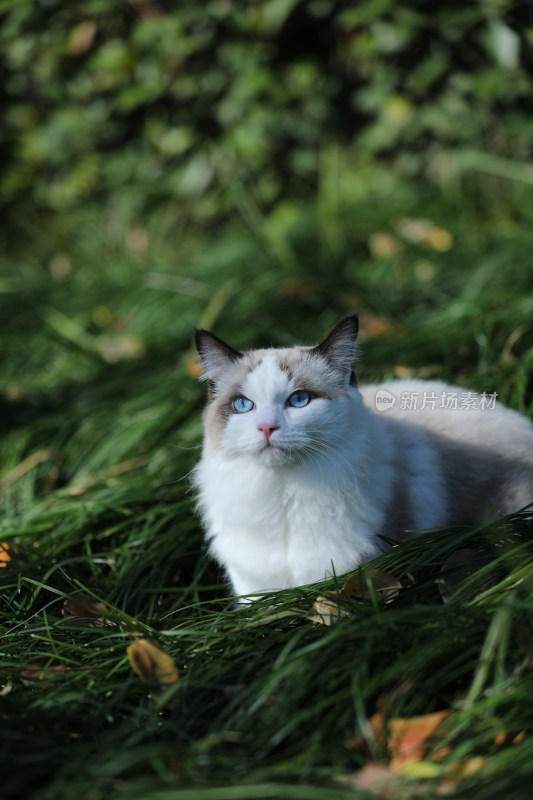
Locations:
column 149, row 661
column 408, row 738
column 85, row 608
column 371, row 583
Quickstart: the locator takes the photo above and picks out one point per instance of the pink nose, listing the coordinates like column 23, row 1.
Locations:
column 268, row 429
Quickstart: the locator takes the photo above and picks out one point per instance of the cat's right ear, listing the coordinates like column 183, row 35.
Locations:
column 338, row 347
column 216, row 356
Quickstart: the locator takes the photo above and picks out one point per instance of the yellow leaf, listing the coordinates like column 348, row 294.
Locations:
column 408, row 738
column 149, row 661
column 6, row 553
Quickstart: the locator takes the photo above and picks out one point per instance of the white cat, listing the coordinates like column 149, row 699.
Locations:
column 301, row 474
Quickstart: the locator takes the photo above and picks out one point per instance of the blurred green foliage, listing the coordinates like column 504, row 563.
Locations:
column 186, row 104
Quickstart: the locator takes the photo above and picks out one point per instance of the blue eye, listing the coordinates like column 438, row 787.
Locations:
column 241, row 404
column 299, row 399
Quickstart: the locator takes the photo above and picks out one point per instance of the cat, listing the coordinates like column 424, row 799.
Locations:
column 303, row 474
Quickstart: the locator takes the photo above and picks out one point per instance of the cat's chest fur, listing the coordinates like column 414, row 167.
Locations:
column 286, row 527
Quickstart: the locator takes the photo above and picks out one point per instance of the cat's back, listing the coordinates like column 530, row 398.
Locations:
column 464, row 416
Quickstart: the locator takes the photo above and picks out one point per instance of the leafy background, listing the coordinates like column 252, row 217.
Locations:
column 261, row 168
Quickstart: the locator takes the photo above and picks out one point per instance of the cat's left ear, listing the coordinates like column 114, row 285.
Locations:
column 216, row 356
column 339, row 346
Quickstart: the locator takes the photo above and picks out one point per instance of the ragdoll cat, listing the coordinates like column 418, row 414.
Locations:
column 301, row 474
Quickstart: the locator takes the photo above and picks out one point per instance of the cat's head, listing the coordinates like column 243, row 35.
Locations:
column 280, row 404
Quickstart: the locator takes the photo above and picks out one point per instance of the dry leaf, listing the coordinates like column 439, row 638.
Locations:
column 408, row 738
column 327, row 610
column 85, row 608
column 371, row 583
column 6, row 554
column 149, row 661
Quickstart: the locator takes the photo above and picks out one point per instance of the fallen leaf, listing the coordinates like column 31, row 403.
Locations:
column 327, row 611
column 371, row 583
column 85, row 608
column 6, row 554
column 150, row 662
column 359, row 588
column 408, row 738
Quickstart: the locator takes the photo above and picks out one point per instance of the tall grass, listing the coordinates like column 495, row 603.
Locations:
column 100, row 429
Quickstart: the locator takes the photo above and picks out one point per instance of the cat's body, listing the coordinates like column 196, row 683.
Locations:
column 301, row 475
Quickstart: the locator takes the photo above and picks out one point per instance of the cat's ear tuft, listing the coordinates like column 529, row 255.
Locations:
column 339, row 346
column 216, row 356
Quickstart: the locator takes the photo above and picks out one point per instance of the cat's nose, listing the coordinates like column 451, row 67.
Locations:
column 268, row 429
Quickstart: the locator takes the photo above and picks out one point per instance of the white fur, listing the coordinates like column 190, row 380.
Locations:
column 317, row 498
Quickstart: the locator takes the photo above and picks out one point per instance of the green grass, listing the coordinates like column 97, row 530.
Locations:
column 100, row 429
